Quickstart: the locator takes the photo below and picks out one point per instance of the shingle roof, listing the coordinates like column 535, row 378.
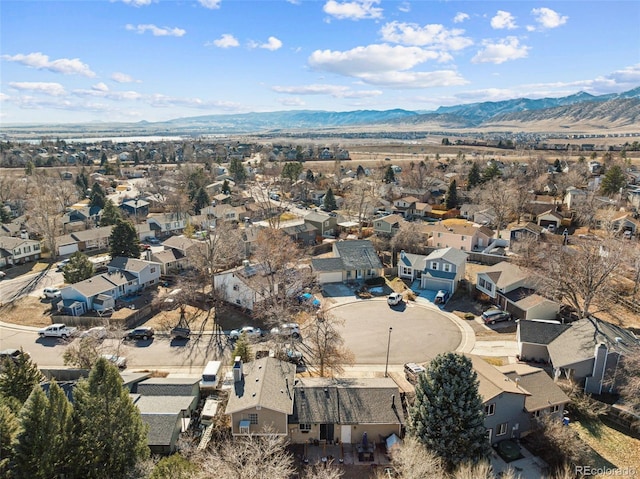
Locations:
column 416, row 261
column 128, row 264
column 358, row 254
column 544, row 392
column 161, row 428
column 181, row 243
column 492, row 382
column 347, row 401
column 537, row 332
column 505, row 274
column 267, row 382
column 167, row 386
column 327, row 264
column 167, row 256
column 166, row 404
column 93, row 233
column 452, row 255
column 317, row 217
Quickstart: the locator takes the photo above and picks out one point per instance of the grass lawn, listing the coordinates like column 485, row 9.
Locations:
column 612, row 449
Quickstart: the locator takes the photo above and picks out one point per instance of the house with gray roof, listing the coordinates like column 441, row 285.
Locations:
column 323, row 222
column 261, row 397
column 304, row 233
column 332, row 409
column 16, row 250
column 586, row 351
column 164, row 224
column 442, row 269
column 352, row 260
column 387, row 225
column 147, row 273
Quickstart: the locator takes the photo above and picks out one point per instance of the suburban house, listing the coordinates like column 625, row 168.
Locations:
column 512, row 289
column 574, row 197
column 463, row 236
column 170, row 260
column 261, row 397
column 164, row 224
column 528, row 231
column 467, row 210
column 387, row 225
column 304, row 233
column 15, row 250
column 352, row 260
column 125, row 276
column 405, row 206
column 82, row 217
column 179, row 252
column 93, row 239
column 135, row 208
column 225, row 212
column 331, row 410
column 323, row 222
column 442, row 269
column 587, row 350
column 623, row 222
column 550, row 219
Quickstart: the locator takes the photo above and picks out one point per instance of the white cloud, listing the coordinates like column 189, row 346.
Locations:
column 370, row 59
column 272, row 44
column 102, row 91
column 40, row 61
column 460, row 17
column 404, row 7
column 156, row 31
column 435, row 35
column 4, row 97
column 119, row 77
column 501, row 51
column 225, row 41
column 289, row 101
column 547, row 18
column 354, row 10
column 100, row 87
column 164, row 101
column 138, row 3
column 210, row 4
column 53, row 89
column 403, row 80
column 336, row 91
column 503, row 20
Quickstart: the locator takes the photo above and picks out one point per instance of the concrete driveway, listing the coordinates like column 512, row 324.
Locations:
column 419, row 332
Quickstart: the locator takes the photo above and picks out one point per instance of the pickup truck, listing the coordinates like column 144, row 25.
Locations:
column 57, row 330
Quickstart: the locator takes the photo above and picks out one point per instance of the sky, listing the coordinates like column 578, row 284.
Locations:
column 81, row 61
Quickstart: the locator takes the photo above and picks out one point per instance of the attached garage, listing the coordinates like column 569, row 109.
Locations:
column 66, row 245
column 325, row 277
column 328, row 270
column 436, row 284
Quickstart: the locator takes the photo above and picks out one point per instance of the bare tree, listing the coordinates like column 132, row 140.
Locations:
column 411, row 460
column 45, row 211
column 410, row 237
column 359, row 200
column 520, row 194
column 327, row 353
column 629, row 376
column 496, row 195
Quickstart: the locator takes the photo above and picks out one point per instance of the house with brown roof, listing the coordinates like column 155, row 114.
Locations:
column 405, row 206
column 387, row 225
column 454, row 234
column 261, row 397
column 16, row 250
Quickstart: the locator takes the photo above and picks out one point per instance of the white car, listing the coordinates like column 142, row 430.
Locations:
column 249, row 331
column 51, row 293
column 394, row 299
column 99, row 333
column 119, row 361
column 287, row 329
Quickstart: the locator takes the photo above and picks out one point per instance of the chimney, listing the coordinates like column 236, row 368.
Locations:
column 402, row 254
column 393, row 401
column 238, row 373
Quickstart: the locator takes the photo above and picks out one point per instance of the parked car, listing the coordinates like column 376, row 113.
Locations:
column 308, row 298
column 2, row 274
column 140, row 333
column 57, row 330
column 152, row 240
column 394, row 299
column 249, row 331
column 12, row 354
column 51, row 293
column 287, row 329
column 60, row 266
column 99, row 333
column 493, row 316
column 412, row 371
column 442, row 297
column 119, row 361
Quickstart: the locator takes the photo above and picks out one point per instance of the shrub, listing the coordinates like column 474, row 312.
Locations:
column 469, row 316
column 375, row 281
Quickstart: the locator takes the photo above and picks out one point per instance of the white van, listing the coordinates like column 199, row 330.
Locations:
column 412, row 371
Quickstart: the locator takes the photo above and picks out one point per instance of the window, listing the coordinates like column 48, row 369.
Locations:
column 446, row 267
column 490, row 409
column 405, row 271
column 305, row 428
column 153, row 270
column 463, row 238
column 439, row 235
column 253, row 418
column 555, row 408
column 462, row 248
column 502, row 429
column 434, row 265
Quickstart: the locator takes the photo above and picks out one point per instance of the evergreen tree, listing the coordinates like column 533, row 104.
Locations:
column 389, row 175
column 474, row 178
column 226, row 189
column 5, row 215
column 329, row 202
column 31, row 459
column 110, row 214
column 242, row 349
column 448, row 415
column 103, row 159
column 82, row 182
column 8, row 432
column 613, row 180
column 291, row 171
column 201, row 200
column 19, row 377
column 29, row 168
column 236, row 168
column 360, row 171
column 78, row 268
column 490, row 172
column 310, row 177
column 97, row 196
column 124, row 240
column 452, row 195
column 110, row 435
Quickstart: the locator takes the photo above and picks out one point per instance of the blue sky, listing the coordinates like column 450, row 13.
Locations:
column 131, row 60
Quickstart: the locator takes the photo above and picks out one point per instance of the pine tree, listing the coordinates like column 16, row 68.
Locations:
column 201, row 200
column 360, row 171
column 613, row 180
column 19, row 377
column 226, row 189
column 474, row 178
column 448, row 415
column 97, row 196
column 389, row 175
column 110, row 214
column 8, row 432
column 111, row 437
column 236, row 168
column 452, row 195
column 32, row 442
column 78, row 268
column 310, row 177
column 329, row 202
column 124, row 240
column 243, row 349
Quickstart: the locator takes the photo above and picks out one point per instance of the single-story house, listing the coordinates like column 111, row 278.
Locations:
column 341, row 409
column 304, row 233
column 528, row 231
column 550, row 219
column 352, row 260
column 442, row 269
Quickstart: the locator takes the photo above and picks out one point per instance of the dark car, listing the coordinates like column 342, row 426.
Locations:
column 441, row 297
column 140, row 333
column 492, row 316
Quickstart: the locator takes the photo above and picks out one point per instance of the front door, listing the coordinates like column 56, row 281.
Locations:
column 345, row 432
column 326, row 432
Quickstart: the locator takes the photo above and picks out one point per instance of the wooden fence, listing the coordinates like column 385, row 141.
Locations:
column 136, row 318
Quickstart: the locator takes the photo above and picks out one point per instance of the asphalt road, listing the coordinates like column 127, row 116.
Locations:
column 29, row 284
column 419, row 333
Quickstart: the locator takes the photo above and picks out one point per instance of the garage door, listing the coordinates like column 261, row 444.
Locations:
column 330, row 277
column 435, row 284
column 68, row 249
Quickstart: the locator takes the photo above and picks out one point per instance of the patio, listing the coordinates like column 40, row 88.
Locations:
column 339, row 454
column 527, row 467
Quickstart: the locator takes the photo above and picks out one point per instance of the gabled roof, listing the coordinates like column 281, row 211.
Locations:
column 162, row 404
column 358, row 254
column 532, row 227
column 181, row 242
column 93, row 286
column 538, row 332
column 168, row 256
column 504, row 274
column 327, row 264
column 551, row 212
column 318, row 217
column 167, row 386
column 161, row 428
column 93, row 233
column 391, row 219
column 129, row 264
column 544, row 392
column 452, row 255
column 347, row 401
column 492, row 382
column 415, row 261
column 11, row 242
column 268, row 383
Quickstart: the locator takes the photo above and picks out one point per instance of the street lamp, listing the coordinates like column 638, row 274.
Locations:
column 386, row 365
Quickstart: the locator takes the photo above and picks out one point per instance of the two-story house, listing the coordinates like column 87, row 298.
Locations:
column 442, row 269
column 147, row 273
column 16, row 250
column 513, row 289
column 463, row 236
column 387, row 225
column 405, row 206
column 164, row 224
column 323, row 222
